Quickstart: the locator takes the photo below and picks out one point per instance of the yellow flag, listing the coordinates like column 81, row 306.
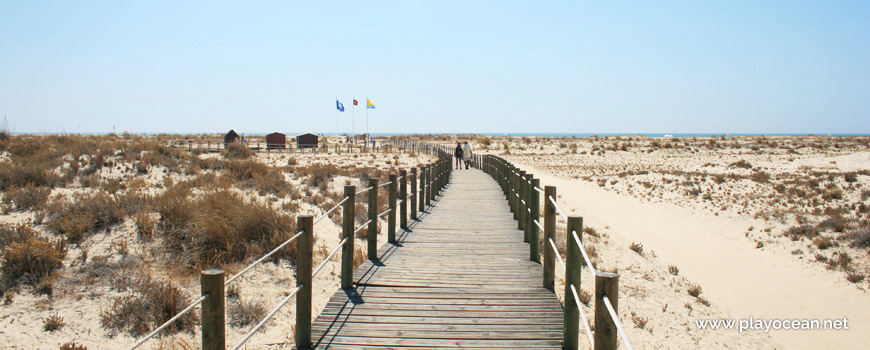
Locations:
column 369, row 104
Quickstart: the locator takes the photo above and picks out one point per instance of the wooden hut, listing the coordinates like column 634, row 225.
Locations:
column 306, row 141
column 231, row 137
column 276, row 140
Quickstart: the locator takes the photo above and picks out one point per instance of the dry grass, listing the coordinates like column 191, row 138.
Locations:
column 29, row 259
column 674, row 270
column 73, row 346
column 694, row 290
column 25, row 198
column 246, row 312
column 53, row 323
column 83, row 214
column 221, row 227
column 637, row 248
column 148, row 304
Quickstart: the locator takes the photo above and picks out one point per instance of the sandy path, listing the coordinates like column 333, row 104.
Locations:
column 711, row 250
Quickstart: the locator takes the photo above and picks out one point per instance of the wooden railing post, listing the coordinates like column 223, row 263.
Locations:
column 429, row 187
column 549, row 232
column 213, row 313
column 422, row 188
column 534, row 231
column 391, row 204
column 573, row 260
column 413, row 201
column 606, row 283
column 347, row 213
column 372, row 232
column 403, row 195
column 304, row 260
column 521, row 212
column 527, row 213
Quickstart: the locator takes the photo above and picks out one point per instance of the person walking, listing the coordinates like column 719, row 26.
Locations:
column 466, row 154
column 458, row 154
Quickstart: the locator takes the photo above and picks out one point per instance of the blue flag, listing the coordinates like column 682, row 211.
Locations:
column 339, row 106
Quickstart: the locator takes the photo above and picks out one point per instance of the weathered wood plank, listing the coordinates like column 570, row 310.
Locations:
column 459, row 277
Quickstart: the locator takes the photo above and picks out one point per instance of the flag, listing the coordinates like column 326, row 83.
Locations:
column 355, row 102
column 369, row 104
column 339, row 106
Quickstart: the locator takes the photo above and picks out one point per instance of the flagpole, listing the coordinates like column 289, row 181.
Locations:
column 367, row 118
column 336, row 118
column 353, row 122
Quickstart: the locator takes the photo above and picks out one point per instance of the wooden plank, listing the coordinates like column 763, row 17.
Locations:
column 460, row 276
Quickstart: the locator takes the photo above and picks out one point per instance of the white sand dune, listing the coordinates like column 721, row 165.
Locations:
column 742, row 280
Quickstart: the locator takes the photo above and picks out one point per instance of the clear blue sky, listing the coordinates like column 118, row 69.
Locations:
column 467, row 66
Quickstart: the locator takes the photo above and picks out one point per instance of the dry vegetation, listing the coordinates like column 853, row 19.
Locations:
column 125, row 223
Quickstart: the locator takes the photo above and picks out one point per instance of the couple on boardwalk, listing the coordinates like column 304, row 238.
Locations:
column 462, row 153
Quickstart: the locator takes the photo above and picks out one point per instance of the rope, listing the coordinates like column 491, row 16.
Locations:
column 386, row 211
column 363, row 190
column 539, row 225
column 583, row 251
column 385, row 184
column 363, row 225
column 255, row 263
column 538, row 189
column 330, row 210
column 167, row 323
column 556, row 253
column 617, row 322
column 583, row 315
column 559, row 210
column 328, row 257
column 266, row 319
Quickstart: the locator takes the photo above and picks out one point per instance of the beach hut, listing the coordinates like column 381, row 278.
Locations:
column 231, row 137
column 276, row 140
column 306, row 141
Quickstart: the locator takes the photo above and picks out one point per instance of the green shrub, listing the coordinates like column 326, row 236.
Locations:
column 741, row 164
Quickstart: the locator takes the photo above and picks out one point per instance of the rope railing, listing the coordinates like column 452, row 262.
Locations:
column 523, row 193
column 617, row 322
column 583, row 315
column 214, row 285
column 329, row 257
column 556, row 252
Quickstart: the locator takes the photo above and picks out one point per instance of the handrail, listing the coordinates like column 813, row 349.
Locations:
column 583, row 315
column 330, row 210
column 363, row 225
column 556, row 252
column 385, row 212
column 617, row 322
column 583, row 251
column 365, row 189
column 559, row 210
column 328, row 257
column 255, row 263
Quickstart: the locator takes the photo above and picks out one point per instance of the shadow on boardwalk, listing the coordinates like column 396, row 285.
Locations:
column 460, row 278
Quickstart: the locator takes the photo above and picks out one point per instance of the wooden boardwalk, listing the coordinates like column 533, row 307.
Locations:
column 460, row 278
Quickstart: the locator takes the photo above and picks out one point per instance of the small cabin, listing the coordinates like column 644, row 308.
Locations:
column 231, row 137
column 306, row 141
column 276, row 140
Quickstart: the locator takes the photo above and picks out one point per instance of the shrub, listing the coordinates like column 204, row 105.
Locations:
column 222, row 227
column 741, row 164
column 636, row 247
column 591, row 231
column 237, row 151
column 12, row 233
column 150, row 304
column 854, row 277
column 834, row 223
column 639, row 322
column 53, row 323
column 674, row 270
column 760, row 177
column 850, row 177
column 822, row 242
column 585, row 296
column 26, row 198
column 246, row 312
column 803, row 231
column 694, row 290
column 31, row 261
column 73, row 346
column 861, row 237
column 84, row 214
